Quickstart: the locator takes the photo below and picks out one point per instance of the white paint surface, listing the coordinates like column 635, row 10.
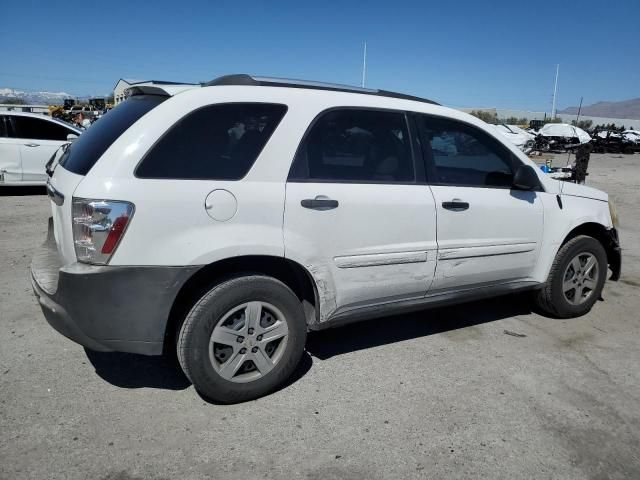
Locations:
column 380, row 244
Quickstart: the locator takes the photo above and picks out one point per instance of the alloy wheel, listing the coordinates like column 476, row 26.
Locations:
column 248, row 341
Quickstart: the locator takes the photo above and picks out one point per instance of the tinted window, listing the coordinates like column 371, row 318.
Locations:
column 4, row 131
column 352, row 145
column 215, row 142
column 87, row 149
column 460, row 154
column 29, row 127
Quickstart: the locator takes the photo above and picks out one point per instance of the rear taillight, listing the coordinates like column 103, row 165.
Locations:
column 98, row 227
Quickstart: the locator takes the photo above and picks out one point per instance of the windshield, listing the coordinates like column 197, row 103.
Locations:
column 89, row 147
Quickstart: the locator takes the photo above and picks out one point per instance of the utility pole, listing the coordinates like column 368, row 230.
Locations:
column 364, row 64
column 555, row 92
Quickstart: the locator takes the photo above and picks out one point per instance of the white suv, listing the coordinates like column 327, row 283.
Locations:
column 227, row 220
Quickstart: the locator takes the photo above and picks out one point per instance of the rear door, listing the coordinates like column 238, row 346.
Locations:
column 488, row 233
column 357, row 212
column 39, row 138
column 10, row 163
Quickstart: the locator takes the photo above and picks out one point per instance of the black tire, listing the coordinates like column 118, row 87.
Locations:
column 195, row 333
column 551, row 298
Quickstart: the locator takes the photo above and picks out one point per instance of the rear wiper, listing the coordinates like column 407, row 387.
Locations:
column 50, row 167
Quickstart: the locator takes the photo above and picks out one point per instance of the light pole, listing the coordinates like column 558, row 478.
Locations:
column 364, row 64
column 555, row 92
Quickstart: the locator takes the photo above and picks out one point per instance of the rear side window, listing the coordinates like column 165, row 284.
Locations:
column 216, row 142
column 37, row 129
column 89, row 147
column 353, row 145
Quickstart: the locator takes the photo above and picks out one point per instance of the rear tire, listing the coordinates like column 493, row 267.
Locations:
column 243, row 339
column 576, row 279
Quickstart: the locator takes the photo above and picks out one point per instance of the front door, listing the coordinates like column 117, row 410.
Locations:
column 10, row 163
column 488, row 233
column 39, row 138
column 356, row 214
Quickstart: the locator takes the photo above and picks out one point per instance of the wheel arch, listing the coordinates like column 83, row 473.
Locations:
column 289, row 272
column 608, row 239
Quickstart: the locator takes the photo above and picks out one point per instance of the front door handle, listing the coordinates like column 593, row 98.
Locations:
column 455, row 205
column 319, row 203
column 31, row 144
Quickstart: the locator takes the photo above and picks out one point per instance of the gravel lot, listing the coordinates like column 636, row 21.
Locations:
column 438, row 394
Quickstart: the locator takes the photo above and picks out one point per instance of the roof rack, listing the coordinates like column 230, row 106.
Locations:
column 244, row 79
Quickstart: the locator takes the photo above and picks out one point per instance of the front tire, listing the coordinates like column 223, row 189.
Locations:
column 242, row 339
column 576, row 279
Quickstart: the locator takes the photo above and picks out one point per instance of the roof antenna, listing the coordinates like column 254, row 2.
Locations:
column 364, row 64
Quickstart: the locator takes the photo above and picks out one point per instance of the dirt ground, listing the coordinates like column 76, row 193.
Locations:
column 437, row 394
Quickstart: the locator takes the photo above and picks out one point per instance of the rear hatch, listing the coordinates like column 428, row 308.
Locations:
column 69, row 166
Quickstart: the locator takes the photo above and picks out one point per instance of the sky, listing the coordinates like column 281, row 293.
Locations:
column 464, row 53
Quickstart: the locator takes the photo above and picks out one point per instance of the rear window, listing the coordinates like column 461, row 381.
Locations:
column 89, row 147
column 216, row 142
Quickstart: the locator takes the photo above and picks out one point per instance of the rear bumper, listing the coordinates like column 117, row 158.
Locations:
column 106, row 308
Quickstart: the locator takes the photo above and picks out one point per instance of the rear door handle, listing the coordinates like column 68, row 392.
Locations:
column 31, row 144
column 319, row 203
column 455, row 205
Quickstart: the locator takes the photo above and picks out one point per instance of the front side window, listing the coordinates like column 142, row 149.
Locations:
column 216, row 142
column 351, row 145
column 37, row 129
column 463, row 155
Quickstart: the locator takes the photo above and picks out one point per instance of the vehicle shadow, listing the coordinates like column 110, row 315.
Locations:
column 10, row 191
column 127, row 370
column 328, row 343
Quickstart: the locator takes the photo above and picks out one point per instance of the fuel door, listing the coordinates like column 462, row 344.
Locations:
column 221, row 205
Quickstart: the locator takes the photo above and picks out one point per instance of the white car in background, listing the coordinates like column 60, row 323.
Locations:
column 522, row 139
column 27, row 142
column 564, row 130
column 632, row 136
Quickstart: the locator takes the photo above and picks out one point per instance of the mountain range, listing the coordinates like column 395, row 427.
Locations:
column 35, row 98
column 623, row 109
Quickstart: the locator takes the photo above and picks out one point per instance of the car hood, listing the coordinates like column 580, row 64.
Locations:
column 575, row 190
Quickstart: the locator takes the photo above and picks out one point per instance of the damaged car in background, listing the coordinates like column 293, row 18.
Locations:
column 560, row 137
column 522, row 139
column 608, row 141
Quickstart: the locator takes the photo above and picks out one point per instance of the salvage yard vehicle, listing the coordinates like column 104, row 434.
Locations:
column 522, row 139
column 605, row 141
column 227, row 220
column 27, row 142
column 560, row 137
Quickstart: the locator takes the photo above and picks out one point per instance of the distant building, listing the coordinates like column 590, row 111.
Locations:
column 121, row 86
column 119, row 91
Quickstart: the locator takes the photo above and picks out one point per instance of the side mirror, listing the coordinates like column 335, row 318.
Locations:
column 526, row 178
column 71, row 137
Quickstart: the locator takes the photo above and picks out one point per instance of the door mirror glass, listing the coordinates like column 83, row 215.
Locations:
column 71, row 137
column 526, row 178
